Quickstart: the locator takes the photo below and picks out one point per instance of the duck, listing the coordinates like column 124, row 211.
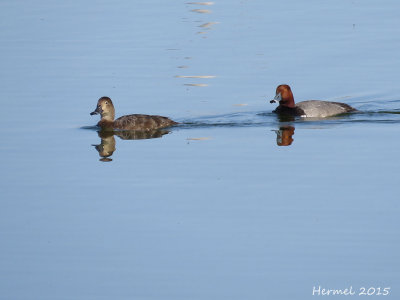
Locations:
column 136, row 122
column 308, row 108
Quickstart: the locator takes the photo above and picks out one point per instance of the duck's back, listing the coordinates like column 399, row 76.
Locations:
column 322, row 109
column 142, row 122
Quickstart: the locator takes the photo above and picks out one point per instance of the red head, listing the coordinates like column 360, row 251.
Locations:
column 284, row 95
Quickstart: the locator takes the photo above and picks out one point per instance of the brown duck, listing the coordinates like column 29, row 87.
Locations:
column 137, row 122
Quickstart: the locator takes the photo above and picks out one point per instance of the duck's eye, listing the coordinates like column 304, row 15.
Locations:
column 106, row 102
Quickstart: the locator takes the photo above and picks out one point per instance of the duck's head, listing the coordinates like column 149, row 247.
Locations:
column 105, row 108
column 284, row 96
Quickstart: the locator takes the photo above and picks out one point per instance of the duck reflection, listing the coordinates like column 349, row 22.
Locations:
column 284, row 136
column 286, row 118
column 107, row 146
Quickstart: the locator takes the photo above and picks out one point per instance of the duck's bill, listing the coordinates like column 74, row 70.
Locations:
column 96, row 111
column 276, row 99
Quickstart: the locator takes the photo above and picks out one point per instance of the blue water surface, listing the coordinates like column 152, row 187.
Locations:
column 233, row 203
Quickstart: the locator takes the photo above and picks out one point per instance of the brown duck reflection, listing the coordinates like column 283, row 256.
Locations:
column 284, row 136
column 107, row 147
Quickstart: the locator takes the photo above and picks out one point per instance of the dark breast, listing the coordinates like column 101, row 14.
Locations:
column 284, row 110
column 142, row 122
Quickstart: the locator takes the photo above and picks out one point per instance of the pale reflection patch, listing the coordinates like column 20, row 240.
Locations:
column 201, row 11
column 201, row 3
column 198, row 139
column 208, row 24
column 196, row 84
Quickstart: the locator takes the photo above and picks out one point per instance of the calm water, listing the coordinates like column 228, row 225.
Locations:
column 232, row 204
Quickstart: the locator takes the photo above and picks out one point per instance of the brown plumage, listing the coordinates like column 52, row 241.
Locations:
column 137, row 122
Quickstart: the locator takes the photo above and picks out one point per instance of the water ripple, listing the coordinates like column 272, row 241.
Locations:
column 267, row 119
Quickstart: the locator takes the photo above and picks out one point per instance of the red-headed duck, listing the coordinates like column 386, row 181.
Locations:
column 309, row 108
column 284, row 136
column 137, row 122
